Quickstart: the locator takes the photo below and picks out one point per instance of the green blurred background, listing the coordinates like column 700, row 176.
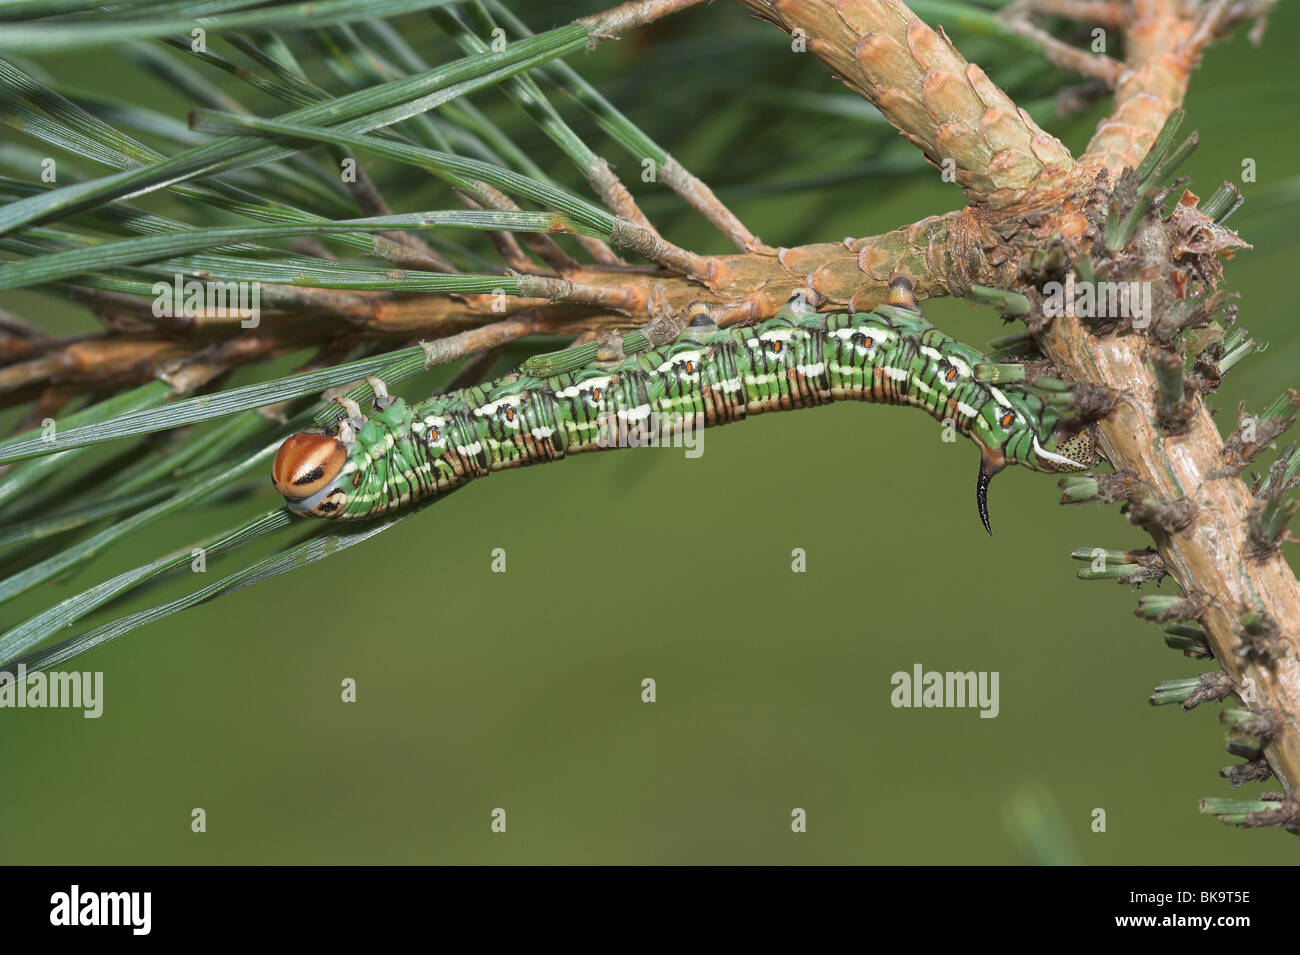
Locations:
column 522, row 690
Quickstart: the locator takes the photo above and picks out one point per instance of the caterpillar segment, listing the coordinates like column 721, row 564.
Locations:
column 404, row 452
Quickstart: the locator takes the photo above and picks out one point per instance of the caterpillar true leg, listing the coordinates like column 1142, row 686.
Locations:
column 382, row 398
column 350, row 408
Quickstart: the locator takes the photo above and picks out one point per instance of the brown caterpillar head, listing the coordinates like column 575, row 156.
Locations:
column 306, row 464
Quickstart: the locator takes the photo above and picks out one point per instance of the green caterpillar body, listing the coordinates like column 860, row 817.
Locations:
column 405, row 452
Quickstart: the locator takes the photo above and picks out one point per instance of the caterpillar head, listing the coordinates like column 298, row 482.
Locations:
column 306, row 471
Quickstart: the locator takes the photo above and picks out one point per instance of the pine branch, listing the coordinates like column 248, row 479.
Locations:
column 914, row 76
column 1034, row 214
column 946, row 107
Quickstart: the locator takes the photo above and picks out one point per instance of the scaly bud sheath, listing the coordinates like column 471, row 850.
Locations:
column 1164, row 607
column 1119, row 231
column 1109, row 572
column 1167, row 367
column 1045, row 383
column 1109, row 556
column 1206, row 688
column 1285, row 469
column 1226, row 200
column 999, row 373
column 1167, row 166
column 1195, row 649
column 1118, row 564
column 1004, row 301
column 1173, row 691
column 1284, row 407
column 1160, row 147
column 1268, row 523
column 1189, row 638
column 1234, row 812
column 1246, row 723
column 1190, row 631
column 1186, row 314
column 1236, row 346
column 1011, row 346
column 554, row 363
column 1256, row 770
column 1236, row 747
column 1075, row 489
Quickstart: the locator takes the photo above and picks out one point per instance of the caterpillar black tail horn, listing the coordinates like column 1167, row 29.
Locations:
column 989, row 466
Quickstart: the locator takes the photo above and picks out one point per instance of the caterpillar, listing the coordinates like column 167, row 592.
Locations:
column 371, row 465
